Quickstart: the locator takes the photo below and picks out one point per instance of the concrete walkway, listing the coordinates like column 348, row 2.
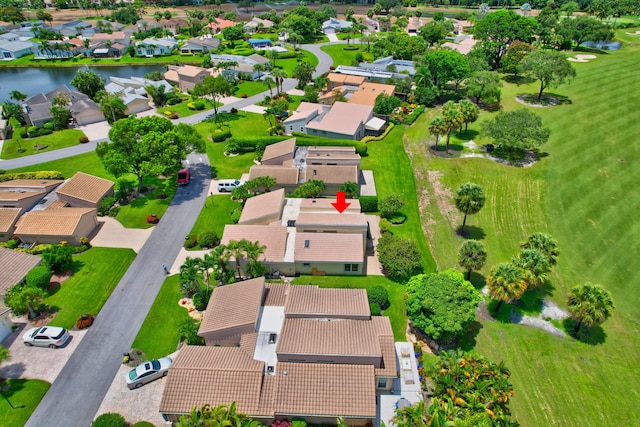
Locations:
column 112, row 234
column 374, row 268
column 85, row 379
column 96, row 131
column 182, row 257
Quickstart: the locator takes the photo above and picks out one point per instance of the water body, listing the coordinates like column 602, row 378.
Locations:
column 32, row 81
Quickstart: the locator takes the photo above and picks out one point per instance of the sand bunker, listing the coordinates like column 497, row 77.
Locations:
column 582, row 58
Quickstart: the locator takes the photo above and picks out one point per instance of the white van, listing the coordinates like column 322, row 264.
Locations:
column 227, row 185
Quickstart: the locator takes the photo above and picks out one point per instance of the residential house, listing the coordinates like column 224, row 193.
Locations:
column 56, row 225
column 287, row 351
column 245, row 64
column 86, row 111
column 333, row 176
column 173, row 25
column 103, row 45
column 9, row 37
column 219, row 24
column 63, row 49
column 263, row 210
column 83, row 110
column 462, row 44
column 258, row 44
column 8, row 218
column 338, row 80
column 257, row 24
column 146, row 25
column 10, row 50
column 156, row 47
column 133, row 93
column 278, row 153
column 286, row 176
column 387, row 63
column 186, row 76
column 370, row 75
column 368, row 92
column 200, row 44
column 71, row 29
column 334, row 25
column 15, row 266
column 341, row 120
column 414, row 25
column 85, row 191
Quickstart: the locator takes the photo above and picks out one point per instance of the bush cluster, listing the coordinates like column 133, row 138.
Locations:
column 208, row 239
column 380, row 137
column 400, row 257
column 34, row 131
column 375, row 309
column 31, row 175
column 109, row 419
column 220, row 135
column 105, row 205
column 369, row 203
column 84, row 321
column 83, row 139
column 39, row 276
column 413, row 116
column 191, row 241
column 378, row 295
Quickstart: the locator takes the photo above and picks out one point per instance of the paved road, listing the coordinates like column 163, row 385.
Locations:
column 77, row 393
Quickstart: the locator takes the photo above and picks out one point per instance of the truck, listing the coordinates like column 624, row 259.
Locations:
column 184, row 176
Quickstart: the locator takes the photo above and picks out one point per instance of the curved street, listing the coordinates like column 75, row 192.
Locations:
column 79, row 389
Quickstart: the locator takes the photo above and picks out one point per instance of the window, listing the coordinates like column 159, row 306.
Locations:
column 351, row 267
column 382, row 383
column 291, row 128
column 306, row 264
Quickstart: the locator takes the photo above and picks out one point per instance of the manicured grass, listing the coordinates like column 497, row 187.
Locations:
column 250, row 88
column 24, row 395
column 341, row 56
column 54, row 141
column 290, row 63
column 214, row 215
column 160, row 332
column 28, row 61
column 96, row 273
column 134, row 214
column 88, row 163
column 393, row 174
column 182, row 109
column 581, row 192
column 396, row 311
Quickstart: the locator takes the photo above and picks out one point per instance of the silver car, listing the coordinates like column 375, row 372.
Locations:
column 147, row 372
column 46, row 336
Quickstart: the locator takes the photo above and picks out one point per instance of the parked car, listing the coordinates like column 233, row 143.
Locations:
column 147, row 372
column 184, row 176
column 227, row 185
column 46, row 336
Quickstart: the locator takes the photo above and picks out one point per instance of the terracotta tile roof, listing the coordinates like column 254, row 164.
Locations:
column 334, row 149
column 14, row 196
column 288, row 146
column 274, row 237
column 312, row 301
column 329, row 219
column 191, row 71
column 325, row 390
column 282, row 174
column 343, row 118
column 8, row 217
column 335, row 337
column 224, row 312
column 275, row 294
column 213, row 375
column 86, row 187
column 15, row 266
column 325, row 204
column 57, row 204
column 306, row 110
column 248, row 343
column 40, row 184
column 332, row 174
column 172, row 76
column 329, row 247
column 368, row 92
column 382, row 326
column 342, row 79
column 56, row 222
column 263, row 206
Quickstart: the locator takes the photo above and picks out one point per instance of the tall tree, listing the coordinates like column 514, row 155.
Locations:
column 214, row 88
column 111, row 106
column 534, row 265
column 519, row 129
column 269, row 83
column 469, row 199
column 17, row 96
column 148, row 146
column 515, row 54
column 88, row 82
column 59, row 111
column 470, row 112
column 190, row 277
column 472, row 256
column 549, row 67
column 545, row 244
column 447, row 66
column 437, row 128
column 304, row 73
column 221, row 415
column 279, row 75
column 158, row 94
column 484, row 86
column 506, row 283
column 452, row 119
column 589, row 304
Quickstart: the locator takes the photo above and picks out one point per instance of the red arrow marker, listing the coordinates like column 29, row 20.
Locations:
column 340, row 203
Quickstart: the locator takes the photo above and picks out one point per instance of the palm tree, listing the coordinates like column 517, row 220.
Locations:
column 545, row 244
column 469, row 199
column 436, row 128
column 506, row 283
column 279, row 75
column 270, row 83
column 253, row 250
column 472, row 256
column 452, row 119
column 321, row 82
column 17, row 96
column 236, row 249
column 534, row 265
column 221, row 415
column 589, row 304
column 190, row 277
column 422, row 77
column 470, row 113
column 259, row 68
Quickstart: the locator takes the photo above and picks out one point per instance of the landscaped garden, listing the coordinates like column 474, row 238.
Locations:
column 217, row 212
column 342, row 56
column 19, row 146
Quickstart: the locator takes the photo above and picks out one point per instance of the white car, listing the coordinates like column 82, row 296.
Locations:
column 148, row 371
column 46, row 336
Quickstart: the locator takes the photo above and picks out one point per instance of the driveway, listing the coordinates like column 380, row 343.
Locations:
column 40, row 363
column 136, row 405
column 111, row 234
column 96, row 131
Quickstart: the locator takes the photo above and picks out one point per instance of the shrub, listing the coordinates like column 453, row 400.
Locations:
column 413, row 116
column 38, row 249
column 385, row 226
column 398, row 219
column 20, row 299
column 105, row 205
column 208, row 239
column 114, row 211
column 199, row 105
column 83, row 139
column 191, row 106
column 400, row 257
column 173, row 101
column 32, row 131
column 235, row 216
column 43, row 131
column 142, row 424
column 152, row 219
column 244, row 95
column 110, row 419
column 369, row 203
column 298, row 423
column 174, row 116
column 49, row 125
column 167, row 113
column 281, row 423
column 390, row 206
column 378, row 295
column 189, row 332
column 23, row 133
column 84, row 321
column 31, row 175
column 190, row 242
column 374, row 308
column 13, row 243
column 200, row 302
column 384, row 134
column 58, row 258
column 233, row 110
column 39, row 277
column 220, row 135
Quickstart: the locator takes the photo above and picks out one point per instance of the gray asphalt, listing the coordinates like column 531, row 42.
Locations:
column 75, row 396
column 77, row 393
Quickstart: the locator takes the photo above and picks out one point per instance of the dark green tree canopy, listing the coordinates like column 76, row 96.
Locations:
column 385, row 104
column 589, row 304
column 88, row 82
column 399, row 257
column 441, row 305
column 469, row 199
column 519, row 129
column 549, row 67
column 446, row 66
column 472, row 256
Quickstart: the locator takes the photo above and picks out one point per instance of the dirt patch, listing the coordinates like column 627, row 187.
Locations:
column 444, row 198
column 60, row 278
column 43, row 318
column 483, row 312
column 416, row 337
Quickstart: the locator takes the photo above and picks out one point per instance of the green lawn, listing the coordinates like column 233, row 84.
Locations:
column 59, row 139
column 214, row 215
column 341, row 56
column 96, row 273
column 250, row 88
column 28, row 61
column 134, row 214
column 24, row 395
column 582, row 193
column 396, row 311
column 182, row 109
column 160, row 332
column 290, row 63
column 88, row 163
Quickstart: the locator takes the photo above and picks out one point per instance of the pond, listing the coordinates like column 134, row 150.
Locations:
column 32, row 81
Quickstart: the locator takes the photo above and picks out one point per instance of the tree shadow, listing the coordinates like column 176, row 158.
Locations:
column 518, row 80
column 531, row 301
column 468, row 341
column 477, row 280
column 591, row 50
column 504, row 314
column 593, row 335
column 467, row 135
column 471, row 232
column 76, row 265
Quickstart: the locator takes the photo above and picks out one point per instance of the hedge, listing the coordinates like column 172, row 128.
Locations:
column 413, row 116
column 39, row 276
column 287, row 55
column 303, row 139
column 249, row 145
column 367, row 139
column 369, row 203
column 31, row 175
column 220, row 136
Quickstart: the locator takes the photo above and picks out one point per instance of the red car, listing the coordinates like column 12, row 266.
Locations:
column 183, row 176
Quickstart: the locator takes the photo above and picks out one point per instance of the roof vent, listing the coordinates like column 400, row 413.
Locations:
column 306, row 243
column 285, row 373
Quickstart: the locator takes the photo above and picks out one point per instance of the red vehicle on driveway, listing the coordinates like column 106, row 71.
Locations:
column 184, row 176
